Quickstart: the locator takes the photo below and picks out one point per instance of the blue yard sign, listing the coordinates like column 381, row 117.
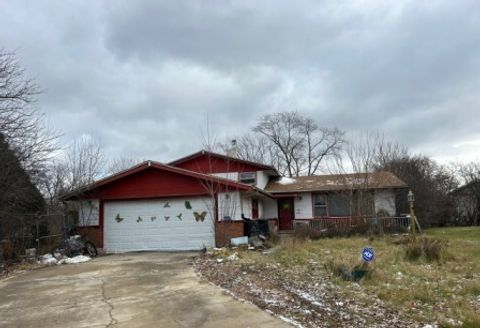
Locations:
column 368, row 254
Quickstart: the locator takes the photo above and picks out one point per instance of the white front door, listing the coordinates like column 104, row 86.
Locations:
column 160, row 224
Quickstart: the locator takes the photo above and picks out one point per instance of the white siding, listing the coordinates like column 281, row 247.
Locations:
column 230, row 204
column 303, row 206
column 149, row 225
column 262, row 179
column 88, row 213
column 270, row 209
column 261, row 210
column 385, row 200
column 247, row 206
column 230, row 175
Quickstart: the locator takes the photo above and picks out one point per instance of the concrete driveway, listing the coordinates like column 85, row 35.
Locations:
column 129, row 290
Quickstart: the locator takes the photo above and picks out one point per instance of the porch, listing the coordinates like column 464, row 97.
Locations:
column 355, row 224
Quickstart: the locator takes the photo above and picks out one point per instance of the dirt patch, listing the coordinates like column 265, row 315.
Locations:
column 312, row 301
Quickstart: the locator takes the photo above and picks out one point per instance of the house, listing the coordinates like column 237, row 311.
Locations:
column 467, row 203
column 200, row 201
column 333, row 196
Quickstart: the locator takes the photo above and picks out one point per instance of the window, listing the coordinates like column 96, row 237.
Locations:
column 248, row 177
column 319, row 205
column 338, row 205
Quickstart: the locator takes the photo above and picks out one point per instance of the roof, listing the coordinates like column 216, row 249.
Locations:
column 466, row 189
column 331, row 182
column 152, row 164
column 223, row 157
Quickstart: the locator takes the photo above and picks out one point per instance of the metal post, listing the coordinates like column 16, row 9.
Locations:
column 37, row 239
column 411, row 202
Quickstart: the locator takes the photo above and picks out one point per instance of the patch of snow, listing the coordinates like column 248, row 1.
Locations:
column 286, row 181
column 308, row 297
column 233, row 257
column 290, row 321
column 77, row 259
column 48, row 259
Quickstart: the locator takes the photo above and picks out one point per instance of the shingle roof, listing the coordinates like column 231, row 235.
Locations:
column 374, row 180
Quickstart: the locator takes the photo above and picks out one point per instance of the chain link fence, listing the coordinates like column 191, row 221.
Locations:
column 40, row 231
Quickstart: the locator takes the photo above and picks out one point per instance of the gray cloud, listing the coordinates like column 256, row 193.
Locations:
column 143, row 76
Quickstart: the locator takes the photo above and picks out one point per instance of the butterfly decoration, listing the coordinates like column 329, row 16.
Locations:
column 200, row 217
column 167, row 204
column 188, row 206
column 179, row 216
column 153, row 218
column 166, row 217
column 118, row 218
column 139, row 219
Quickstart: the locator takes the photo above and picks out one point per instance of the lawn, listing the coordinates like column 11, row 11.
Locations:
column 442, row 292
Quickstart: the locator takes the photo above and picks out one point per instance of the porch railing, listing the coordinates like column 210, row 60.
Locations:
column 351, row 223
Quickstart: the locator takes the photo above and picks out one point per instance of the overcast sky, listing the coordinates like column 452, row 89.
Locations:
column 142, row 76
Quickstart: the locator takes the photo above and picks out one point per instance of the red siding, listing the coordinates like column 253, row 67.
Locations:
column 151, row 183
column 209, row 164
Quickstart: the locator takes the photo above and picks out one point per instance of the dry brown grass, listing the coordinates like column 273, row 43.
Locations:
column 442, row 285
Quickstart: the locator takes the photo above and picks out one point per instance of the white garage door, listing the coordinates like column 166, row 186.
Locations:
column 162, row 224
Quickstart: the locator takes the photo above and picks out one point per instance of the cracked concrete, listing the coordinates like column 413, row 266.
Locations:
column 128, row 290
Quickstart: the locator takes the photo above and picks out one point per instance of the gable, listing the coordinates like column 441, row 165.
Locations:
column 151, row 183
column 207, row 162
column 151, row 180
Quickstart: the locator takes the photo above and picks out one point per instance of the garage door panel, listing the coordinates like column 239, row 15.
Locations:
column 172, row 228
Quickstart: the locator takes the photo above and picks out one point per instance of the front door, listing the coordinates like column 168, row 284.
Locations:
column 285, row 213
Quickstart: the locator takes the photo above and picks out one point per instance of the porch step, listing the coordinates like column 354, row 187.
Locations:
column 286, row 232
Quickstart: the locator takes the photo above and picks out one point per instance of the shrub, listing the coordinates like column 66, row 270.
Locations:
column 303, row 231
column 430, row 249
column 433, row 249
column 413, row 251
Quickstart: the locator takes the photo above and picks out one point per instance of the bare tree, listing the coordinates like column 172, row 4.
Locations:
column 122, row 163
column 284, row 131
column 84, row 162
column 361, row 167
column 467, row 197
column 53, row 183
column 300, row 144
column 251, row 147
column 24, row 128
column 320, row 144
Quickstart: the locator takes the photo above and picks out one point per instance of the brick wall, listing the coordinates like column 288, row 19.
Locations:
column 226, row 230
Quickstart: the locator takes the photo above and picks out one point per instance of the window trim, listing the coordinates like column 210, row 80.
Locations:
column 315, row 206
column 254, row 177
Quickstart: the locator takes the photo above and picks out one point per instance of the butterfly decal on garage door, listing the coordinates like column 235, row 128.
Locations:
column 200, row 217
column 118, row 218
